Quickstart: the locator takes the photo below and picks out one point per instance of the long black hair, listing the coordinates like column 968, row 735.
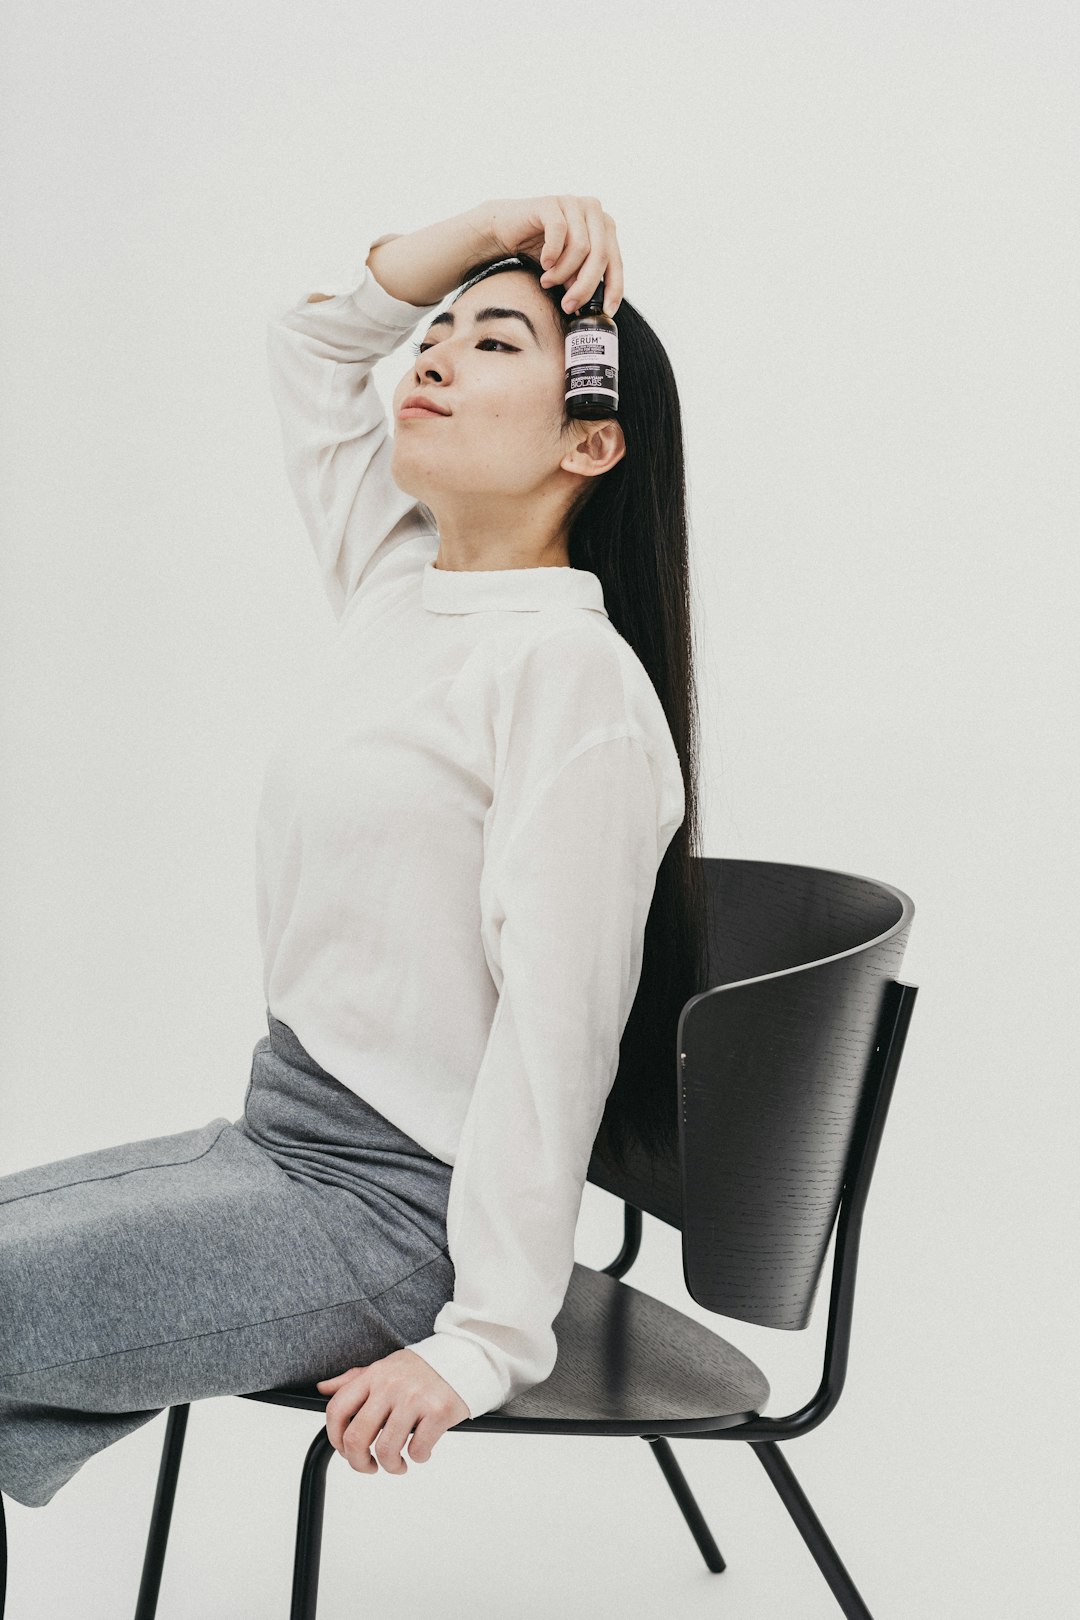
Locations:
column 629, row 527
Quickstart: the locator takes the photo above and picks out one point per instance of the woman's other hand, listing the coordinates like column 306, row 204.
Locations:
column 573, row 238
column 399, row 1395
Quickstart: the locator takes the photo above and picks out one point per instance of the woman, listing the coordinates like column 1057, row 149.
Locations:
column 461, row 838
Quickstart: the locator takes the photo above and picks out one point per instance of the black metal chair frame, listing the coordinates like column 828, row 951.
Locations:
column 762, row 1433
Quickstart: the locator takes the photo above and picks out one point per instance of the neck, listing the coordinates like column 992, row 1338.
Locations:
column 470, row 541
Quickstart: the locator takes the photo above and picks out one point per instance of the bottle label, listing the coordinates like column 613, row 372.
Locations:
column 592, row 362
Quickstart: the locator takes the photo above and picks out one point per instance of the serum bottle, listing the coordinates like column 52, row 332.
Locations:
column 592, row 361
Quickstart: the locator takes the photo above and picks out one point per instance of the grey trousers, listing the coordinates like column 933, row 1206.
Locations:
column 304, row 1238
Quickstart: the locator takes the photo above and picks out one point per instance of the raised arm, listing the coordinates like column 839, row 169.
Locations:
column 322, row 351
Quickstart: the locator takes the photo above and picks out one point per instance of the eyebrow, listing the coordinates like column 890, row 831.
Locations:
column 493, row 312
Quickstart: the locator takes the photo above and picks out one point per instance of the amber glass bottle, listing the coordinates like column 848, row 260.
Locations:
column 592, row 361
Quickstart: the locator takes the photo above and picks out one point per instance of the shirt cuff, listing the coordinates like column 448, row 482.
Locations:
column 466, row 1368
column 370, row 297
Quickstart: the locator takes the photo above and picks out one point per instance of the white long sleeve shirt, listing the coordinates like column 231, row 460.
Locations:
column 457, row 844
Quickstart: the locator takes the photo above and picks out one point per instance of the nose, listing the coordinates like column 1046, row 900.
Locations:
column 425, row 367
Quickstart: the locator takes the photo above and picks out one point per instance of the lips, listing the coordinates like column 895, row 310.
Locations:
column 417, row 404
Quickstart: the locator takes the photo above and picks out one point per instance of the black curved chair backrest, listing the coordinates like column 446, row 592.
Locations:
column 774, row 1059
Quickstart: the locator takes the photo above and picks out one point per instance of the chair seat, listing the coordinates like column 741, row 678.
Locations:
column 626, row 1357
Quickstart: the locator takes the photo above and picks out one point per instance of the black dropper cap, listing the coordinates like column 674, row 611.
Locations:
column 595, row 304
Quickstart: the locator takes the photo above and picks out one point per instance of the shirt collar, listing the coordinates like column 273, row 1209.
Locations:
column 523, row 590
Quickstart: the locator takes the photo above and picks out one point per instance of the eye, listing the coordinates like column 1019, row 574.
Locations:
column 418, row 348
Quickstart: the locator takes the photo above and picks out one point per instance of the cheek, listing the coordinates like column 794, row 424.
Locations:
column 532, row 420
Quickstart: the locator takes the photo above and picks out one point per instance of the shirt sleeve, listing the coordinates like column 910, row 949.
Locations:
column 565, row 905
column 334, row 427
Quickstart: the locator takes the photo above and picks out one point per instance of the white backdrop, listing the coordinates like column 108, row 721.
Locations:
column 855, row 228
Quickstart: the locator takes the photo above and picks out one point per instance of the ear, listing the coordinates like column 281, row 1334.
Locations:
column 596, row 446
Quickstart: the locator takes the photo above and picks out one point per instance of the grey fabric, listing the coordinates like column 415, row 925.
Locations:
column 305, row 1237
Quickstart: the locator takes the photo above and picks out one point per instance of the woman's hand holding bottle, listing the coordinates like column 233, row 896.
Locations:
column 572, row 237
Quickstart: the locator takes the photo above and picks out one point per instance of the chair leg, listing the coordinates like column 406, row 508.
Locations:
column 810, row 1528
column 309, row 1525
column 675, row 1477
column 161, row 1518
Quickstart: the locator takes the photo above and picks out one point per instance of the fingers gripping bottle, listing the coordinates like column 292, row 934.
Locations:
column 592, row 361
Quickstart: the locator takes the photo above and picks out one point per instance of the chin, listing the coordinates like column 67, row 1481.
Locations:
column 405, row 477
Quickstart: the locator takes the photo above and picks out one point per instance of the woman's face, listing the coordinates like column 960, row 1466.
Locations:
column 501, row 378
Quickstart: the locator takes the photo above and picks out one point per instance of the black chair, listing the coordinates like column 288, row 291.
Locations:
column 786, row 1066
